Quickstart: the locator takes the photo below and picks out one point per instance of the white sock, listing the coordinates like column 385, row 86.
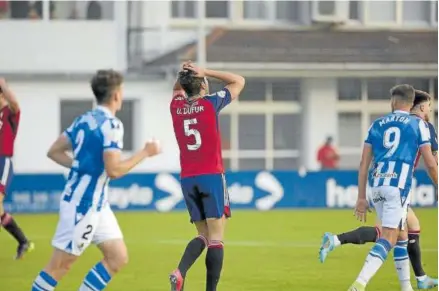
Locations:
column 421, row 278
column 374, row 261
column 337, row 242
column 402, row 264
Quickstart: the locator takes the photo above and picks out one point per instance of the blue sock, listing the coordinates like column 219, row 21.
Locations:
column 377, row 256
column 44, row 282
column 96, row 279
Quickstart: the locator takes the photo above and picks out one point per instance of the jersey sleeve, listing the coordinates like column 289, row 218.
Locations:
column 68, row 132
column 220, row 99
column 424, row 133
column 368, row 139
column 112, row 132
column 433, row 137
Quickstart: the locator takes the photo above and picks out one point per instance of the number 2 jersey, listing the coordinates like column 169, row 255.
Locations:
column 196, row 128
column 90, row 135
column 395, row 140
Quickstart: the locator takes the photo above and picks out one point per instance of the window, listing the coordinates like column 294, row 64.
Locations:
column 349, row 130
column 272, row 10
column 183, row 9
column 286, row 163
column 126, row 116
column 287, row 10
column 254, row 90
column 286, row 131
column 252, row 132
column 286, row 90
column 354, row 10
column 256, row 10
column 416, row 11
column 73, row 10
column 382, row 11
column 326, row 7
column 70, row 109
column 217, row 9
column 225, row 128
column 349, row 89
column 251, row 164
column 435, row 88
column 379, row 89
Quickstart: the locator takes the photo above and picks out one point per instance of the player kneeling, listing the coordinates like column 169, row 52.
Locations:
column 196, row 127
column 96, row 140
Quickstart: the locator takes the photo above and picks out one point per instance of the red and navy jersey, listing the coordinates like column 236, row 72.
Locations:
column 8, row 130
column 433, row 142
column 197, row 131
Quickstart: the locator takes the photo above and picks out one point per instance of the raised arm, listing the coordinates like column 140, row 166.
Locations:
column 113, row 144
column 235, row 83
column 9, row 96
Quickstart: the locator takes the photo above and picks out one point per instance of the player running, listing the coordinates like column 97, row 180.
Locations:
column 393, row 143
column 9, row 121
column 196, row 128
column 365, row 234
column 85, row 216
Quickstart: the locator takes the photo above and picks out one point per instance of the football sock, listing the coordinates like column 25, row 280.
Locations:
column 44, row 282
column 193, row 250
column 414, row 251
column 377, row 255
column 402, row 264
column 214, row 264
column 359, row 236
column 11, row 226
column 96, row 279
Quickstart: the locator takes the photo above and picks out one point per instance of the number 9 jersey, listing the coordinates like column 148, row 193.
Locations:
column 395, row 140
column 196, row 128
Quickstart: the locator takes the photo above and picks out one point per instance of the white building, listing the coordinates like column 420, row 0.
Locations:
column 304, row 82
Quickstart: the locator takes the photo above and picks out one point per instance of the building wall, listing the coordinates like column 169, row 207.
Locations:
column 40, row 121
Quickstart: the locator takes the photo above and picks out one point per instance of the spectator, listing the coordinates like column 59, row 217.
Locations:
column 37, row 10
column 94, row 10
column 328, row 156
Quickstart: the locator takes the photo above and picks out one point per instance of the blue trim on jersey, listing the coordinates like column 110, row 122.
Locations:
column 219, row 99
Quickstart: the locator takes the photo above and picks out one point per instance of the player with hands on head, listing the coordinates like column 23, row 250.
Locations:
column 195, row 116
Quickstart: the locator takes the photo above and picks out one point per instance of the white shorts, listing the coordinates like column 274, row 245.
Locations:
column 94, row 227
column 390, row 207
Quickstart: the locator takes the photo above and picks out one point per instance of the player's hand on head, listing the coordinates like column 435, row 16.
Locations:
column 2, row 82
column 198, row 71
column 152, row 147
column 361, row 209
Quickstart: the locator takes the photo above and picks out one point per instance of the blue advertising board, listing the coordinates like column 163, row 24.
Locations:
column 248, row 190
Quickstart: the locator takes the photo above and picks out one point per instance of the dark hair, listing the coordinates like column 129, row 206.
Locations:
column 404, row 92
column 103, row 84
column 421, row 97
column 190, row 83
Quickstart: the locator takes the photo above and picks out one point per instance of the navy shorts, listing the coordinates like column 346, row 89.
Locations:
column 6, row 173
column 206, row 196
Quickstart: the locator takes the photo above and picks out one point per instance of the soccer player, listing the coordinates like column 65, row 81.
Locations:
column 9, row 121
column 196, row 127
column 85, row 216
column 393, row 143
column 365, row 234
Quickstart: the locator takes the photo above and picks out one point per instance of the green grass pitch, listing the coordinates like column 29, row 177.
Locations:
column 275, row 250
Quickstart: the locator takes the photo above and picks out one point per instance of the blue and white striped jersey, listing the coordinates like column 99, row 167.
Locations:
column 91, row 134
column 395, row 139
